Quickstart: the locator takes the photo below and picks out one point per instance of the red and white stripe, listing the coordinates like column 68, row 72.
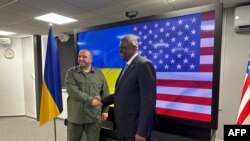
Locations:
column 189, row 94
column 244, row 111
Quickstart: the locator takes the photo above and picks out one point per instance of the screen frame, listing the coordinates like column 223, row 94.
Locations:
column 218, row 8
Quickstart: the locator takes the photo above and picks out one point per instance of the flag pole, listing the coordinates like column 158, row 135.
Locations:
column 55, row 128
column 51, row 25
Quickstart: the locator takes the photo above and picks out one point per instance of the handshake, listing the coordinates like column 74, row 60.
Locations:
column 96, row 101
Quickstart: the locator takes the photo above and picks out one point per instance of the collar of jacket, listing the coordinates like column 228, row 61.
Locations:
column 93, row 69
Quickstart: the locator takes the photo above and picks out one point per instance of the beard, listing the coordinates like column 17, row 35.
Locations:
column 84, row 64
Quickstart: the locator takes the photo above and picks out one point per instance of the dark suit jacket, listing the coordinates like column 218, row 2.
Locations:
column 135, row 99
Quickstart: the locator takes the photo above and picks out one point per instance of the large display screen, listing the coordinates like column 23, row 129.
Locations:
column 181, row 49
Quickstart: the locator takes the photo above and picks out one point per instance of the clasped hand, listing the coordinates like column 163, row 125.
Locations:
column 96, row 101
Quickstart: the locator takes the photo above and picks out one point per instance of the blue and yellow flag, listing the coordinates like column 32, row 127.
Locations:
column 51, row 99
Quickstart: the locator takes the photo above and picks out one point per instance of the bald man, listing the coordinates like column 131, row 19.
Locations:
column 84, row 84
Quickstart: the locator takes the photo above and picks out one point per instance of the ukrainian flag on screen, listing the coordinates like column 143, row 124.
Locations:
column 104, row 45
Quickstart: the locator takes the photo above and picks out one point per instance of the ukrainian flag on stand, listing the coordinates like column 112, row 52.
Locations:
column 51, row 99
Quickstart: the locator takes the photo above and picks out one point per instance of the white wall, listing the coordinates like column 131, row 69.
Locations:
column 17, row 83
column 235, row 52
column 64, row 114
column 11, row 82
column 44, row 49
column 29, row 76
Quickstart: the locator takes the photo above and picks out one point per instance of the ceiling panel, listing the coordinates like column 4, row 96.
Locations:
column 147, row 9
column 229, row 3
column 91, row 4
column 56, row 6
column 182, row 4
column 77, row 25
column 134, row 4
column 42, row 4
column 97, row 20
column 110, row 9
column 17, row 15
column 85, row 15
column 154, row 9
column 77, row 1
column 9, row 18
column 4, row 3
column 20, row 9
column 24, row 28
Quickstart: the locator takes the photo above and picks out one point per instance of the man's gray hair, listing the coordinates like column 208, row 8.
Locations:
column 131, row 40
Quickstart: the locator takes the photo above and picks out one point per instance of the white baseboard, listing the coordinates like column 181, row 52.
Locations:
column 218, row 140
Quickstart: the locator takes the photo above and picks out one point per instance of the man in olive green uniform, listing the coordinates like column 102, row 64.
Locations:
column 85, row 86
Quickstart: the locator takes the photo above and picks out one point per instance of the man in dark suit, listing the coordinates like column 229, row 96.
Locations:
column 135, row 94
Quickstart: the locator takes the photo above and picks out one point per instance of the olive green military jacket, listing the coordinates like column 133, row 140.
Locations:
column 81, row 89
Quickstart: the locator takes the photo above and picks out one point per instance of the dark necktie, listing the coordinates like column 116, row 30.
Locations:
column 124, row 70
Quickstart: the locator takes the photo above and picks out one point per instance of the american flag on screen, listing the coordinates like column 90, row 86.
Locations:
column 181, row 49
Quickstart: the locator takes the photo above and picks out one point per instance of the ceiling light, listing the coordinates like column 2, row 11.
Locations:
column 6, row 33
column 55, row 18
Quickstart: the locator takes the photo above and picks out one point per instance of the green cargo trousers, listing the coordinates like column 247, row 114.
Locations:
column 92, row 130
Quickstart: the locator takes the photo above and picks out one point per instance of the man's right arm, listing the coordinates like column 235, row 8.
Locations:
column 73, row 90
column 107, row 100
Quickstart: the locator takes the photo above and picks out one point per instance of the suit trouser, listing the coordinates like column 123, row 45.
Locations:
column 130, row 139
column 127, row 139
column 92, row 130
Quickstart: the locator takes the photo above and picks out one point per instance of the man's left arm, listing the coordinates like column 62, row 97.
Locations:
column 147, row 85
